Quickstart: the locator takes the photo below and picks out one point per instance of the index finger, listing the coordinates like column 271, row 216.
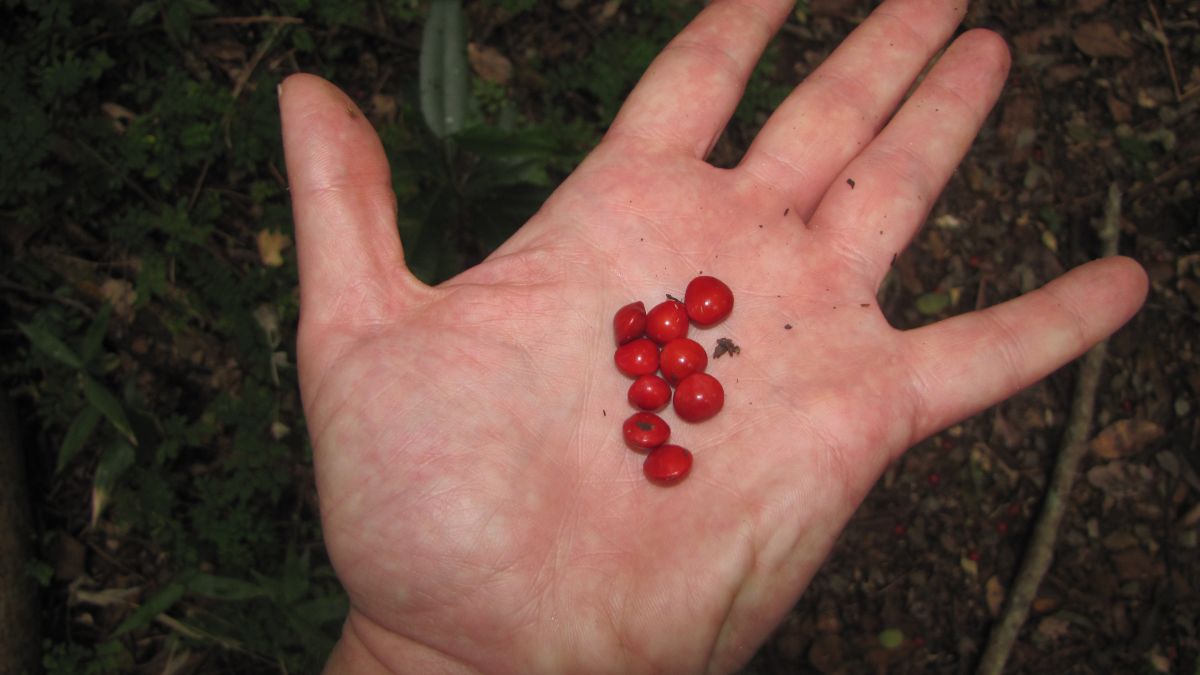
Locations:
column 689, row 92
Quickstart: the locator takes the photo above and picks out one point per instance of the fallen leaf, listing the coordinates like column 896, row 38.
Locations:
column 969, row 566
column 932, row 303
column 121, row 295
column 489, row 64
column 891, row 638
column 1099, row 39
column 994, row 594
column 119, row 114
column 271, row 246
column 1119, row 480
column 1124, row 438
column 1133, row 563
column 1053, row 627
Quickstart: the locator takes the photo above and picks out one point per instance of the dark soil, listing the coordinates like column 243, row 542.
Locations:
column 918, row 577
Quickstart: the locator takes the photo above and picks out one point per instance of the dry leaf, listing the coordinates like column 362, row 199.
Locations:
column 1124, row 438
column 1119, row 480
column 120, row 294
column 489, row 64
column 271, row 246
column 119, row 114
column 1052, row 627
column 1099, row 39
column 994, row 594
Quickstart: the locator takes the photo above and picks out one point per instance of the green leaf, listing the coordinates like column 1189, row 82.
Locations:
column 104, row 401
column 224, row 588
column 77, row 436
column 94, row 338
column 143, row 616
column 443, row 69
column 891, row 638
column 323, row 610
column 49, row 344
column 112, row 466
column 142, row 14
column 933, row 303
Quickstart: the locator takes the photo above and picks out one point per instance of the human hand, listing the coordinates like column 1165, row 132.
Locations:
column 478, row 501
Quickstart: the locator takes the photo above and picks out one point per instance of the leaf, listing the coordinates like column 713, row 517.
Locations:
column 112, row 466
column 443, row 69
column 104, row 401
column 77, row 436
column 489, row 64
column 1099, row 39
column 271, row 246
column 994, row 595
column 1124, row 438
column 224, row 588
column 142, row 14
column 164, row 599
column 891, row 638
column 932, row 303
column 93, row 339
column 50, row 345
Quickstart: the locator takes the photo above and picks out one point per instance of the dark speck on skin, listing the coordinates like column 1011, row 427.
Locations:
column 786, row 211
column 850, row 182
column 787, row 326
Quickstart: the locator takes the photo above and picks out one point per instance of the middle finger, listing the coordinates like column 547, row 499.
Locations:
column 837, row 110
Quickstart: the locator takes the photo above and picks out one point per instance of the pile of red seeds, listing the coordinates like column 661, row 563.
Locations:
column 657, row 341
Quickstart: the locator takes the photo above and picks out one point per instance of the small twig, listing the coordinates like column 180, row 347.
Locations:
column 244, row 76
column 247, row 20
column 1166, row 47
column 1040, row 552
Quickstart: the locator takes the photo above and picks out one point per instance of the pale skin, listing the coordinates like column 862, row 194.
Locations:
column 479, row 504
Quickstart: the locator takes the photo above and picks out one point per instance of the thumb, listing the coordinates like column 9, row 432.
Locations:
column 352, row 271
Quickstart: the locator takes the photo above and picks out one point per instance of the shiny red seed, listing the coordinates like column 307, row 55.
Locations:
column 645, row 430
column 649, row 392
column 639, row 357
column 682, row 357
column 698, row 397
column 708, row 300
column 629, row 323
column 667, row 321
column 667, row 464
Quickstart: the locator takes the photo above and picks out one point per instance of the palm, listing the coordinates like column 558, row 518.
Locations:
column 477, row 496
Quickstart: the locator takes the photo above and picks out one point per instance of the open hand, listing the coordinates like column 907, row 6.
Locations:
column 478, row 501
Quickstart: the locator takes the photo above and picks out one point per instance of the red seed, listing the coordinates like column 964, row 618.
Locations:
column 629, row 323
column 698, row 397
column 667, row 464
column 682, row 357
column 708, row 300
column 667, row 321
column 649, row 392
column 639, row 357
column 645, row 430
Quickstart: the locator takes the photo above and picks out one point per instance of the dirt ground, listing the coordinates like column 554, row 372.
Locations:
column 1100, row 93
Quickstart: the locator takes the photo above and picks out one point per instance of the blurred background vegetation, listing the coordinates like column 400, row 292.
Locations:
column 150, row 292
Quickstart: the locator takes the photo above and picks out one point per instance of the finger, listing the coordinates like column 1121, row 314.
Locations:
column 689, row 92
column 351, row 264
column 878, row 202
column 965, row 364
column 838, row 109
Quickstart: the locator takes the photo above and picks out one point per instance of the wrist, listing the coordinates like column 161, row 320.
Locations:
column 366, row 648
